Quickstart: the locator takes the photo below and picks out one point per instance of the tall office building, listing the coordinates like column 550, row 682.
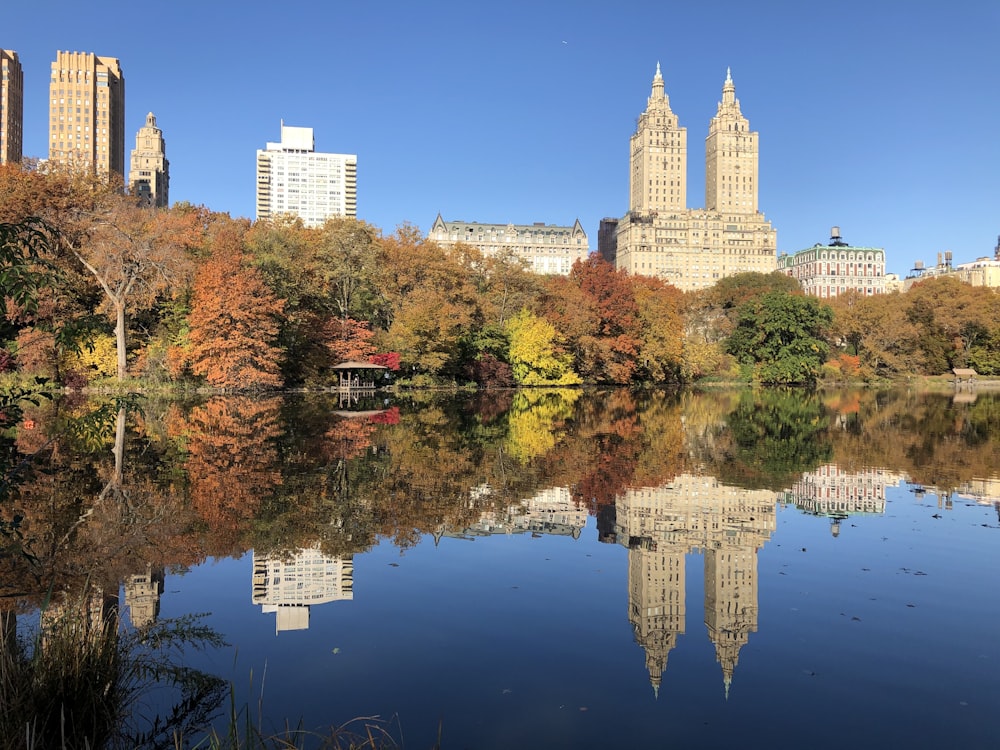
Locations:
column 11, row 107
column 693, row 248
column 149, row 170
column 87, row 113
column 293, row 178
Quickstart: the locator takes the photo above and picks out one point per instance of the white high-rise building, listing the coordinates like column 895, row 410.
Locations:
column 294, row 179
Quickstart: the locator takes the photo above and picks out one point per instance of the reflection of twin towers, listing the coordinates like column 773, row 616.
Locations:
column 661, row 525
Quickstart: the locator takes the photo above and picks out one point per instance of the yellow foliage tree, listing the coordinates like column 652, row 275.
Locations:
column 535, row 355
column 99, row 358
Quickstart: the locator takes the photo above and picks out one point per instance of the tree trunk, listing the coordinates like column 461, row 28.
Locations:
column 120, row 340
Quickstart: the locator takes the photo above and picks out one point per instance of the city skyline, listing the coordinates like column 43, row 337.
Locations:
column 521, row 114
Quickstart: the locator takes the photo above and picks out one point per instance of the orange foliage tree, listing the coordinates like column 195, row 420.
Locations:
column 234, row 319
column 349, row 339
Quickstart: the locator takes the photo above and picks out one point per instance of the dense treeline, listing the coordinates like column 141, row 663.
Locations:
column 187, row 295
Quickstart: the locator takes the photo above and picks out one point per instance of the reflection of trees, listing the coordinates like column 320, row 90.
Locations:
column 928, row 437
column 172, row 484
column 232, row 464
column 771, row 437
column 95, row 508
column 617, row 441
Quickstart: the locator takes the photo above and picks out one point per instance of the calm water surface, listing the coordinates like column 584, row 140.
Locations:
column 557, row 569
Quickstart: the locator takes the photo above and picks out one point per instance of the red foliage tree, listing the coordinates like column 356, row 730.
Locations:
column 388, row 359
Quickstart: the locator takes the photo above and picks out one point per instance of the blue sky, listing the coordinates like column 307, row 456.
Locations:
column 880, row 117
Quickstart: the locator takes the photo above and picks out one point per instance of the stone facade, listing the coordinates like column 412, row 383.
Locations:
column 294, row 179
column 149, row 170
column 87, row 113
column 11, row 107
column 694, row 248
column 544, row 248
column 827, row 271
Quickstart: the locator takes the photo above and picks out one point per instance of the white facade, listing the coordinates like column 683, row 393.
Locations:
column 289, row 587
column 294, row 179
column 543, row 248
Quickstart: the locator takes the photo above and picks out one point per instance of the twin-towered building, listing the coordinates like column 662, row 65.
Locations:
column 692, row 248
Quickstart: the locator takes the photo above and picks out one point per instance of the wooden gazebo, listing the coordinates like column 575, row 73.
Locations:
column 965, row 373
column 358, row 376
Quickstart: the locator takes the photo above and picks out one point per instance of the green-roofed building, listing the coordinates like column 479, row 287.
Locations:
column 827, row 271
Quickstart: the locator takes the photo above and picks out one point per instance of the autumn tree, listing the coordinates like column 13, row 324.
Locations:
column 428, row 303
column 234, row 319
column 661, row 337
column 324, row 274
column 952, row 318
column 595, row 309
column 877, row 330
column 535, row 353
column 349, row 339
column 136, row 253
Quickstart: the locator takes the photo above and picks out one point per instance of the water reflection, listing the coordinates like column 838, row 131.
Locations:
column 171, row 483
column 308, row 486
column 288, row 586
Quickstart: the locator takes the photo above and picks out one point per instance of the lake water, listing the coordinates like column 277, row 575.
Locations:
column 552, row 568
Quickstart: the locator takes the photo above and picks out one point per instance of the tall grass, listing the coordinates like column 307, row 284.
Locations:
column 80, row 681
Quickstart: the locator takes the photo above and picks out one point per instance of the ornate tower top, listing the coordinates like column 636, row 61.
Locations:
column 729, row 105
column 657, row 97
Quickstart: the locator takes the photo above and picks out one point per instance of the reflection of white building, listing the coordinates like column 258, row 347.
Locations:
column 289, row 586
column 552, row 511
column 835, row 493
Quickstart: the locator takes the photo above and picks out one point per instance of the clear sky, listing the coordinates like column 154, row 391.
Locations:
column 881, row 117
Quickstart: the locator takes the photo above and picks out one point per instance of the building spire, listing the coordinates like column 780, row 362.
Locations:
column 729, row 89
column 657, row 83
